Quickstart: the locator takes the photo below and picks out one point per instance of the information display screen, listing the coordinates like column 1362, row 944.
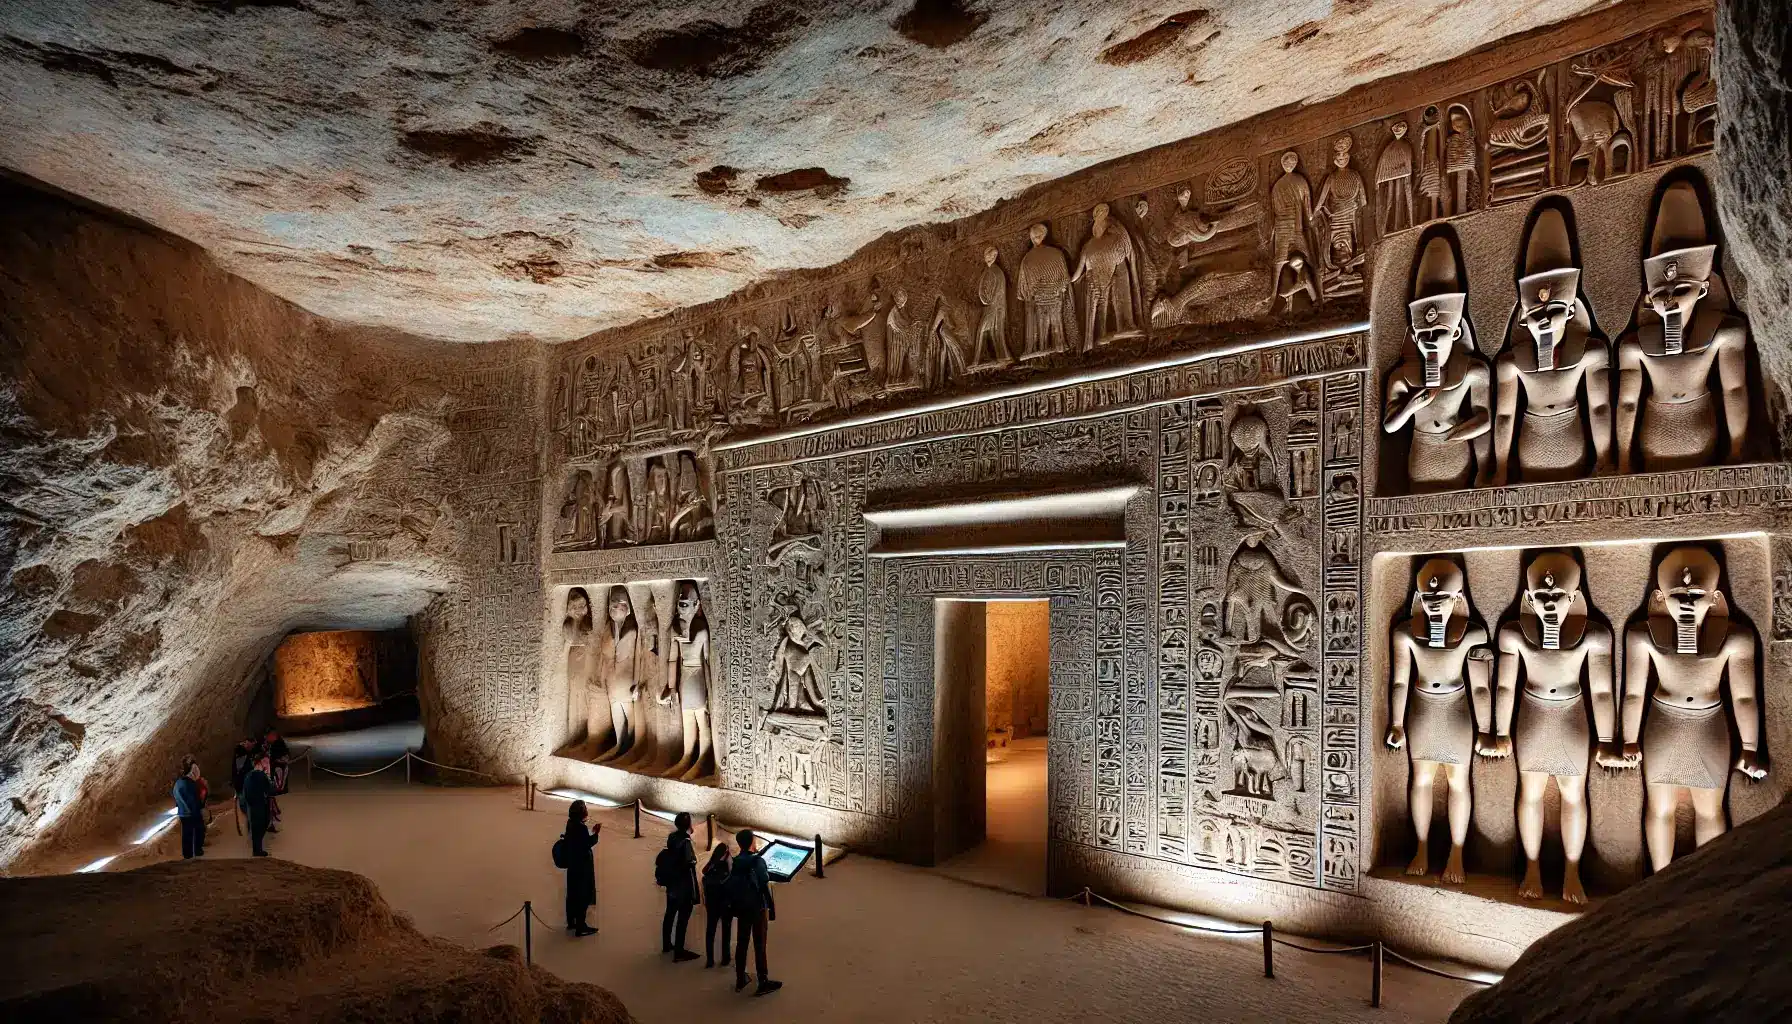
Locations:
column 783, row 861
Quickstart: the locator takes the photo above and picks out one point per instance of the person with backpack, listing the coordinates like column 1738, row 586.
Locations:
column 257, row 798
column 676, row 869
column 716, row 911
column 572, row 851
column 750, row 898
column 190, row 806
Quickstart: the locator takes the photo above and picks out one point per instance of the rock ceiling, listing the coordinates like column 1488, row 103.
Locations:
column 472, row 170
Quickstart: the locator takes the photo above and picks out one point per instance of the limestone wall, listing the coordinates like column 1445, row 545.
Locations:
column 1018, row 667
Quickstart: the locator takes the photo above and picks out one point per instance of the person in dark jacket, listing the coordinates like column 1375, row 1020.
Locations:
column 279, row 762
column 681, row 893
column 581, row 869
column 257, row 798
column 716, row 911
column 190, row 806
column 750, row 895
column 242, row 762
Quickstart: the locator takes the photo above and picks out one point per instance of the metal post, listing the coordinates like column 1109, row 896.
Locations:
column 637, row 817
column 1375, row 975
column 709, row 829
column 528, row 934
column 820, row 855
column 307, row 767
column 407, row 767
column 1269, row 954
column 1083, row 897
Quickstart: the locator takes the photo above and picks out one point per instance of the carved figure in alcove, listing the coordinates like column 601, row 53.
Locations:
column 1043, row 287
column 1339, row 214
column 614, row 686
column 1692, row 648
column 691, row 519
column 646, row 408
column 688, row 681
column 902, row 336
column 848, row 354
column 1462, row 162
column 1441, row 385
column 1557, row 362
column 1251, row 478
column 1601, row 128
column 795, row 377
column 750, row 374
column 649, row 743
column 1684, row 328
column 693, row 399
column 1554, row 645
column 1256, row 590
column 795, row 671
column 1439, row 671
column 1291, row 231
column 1393, row 180
column 945, row 347
column 990, row 347
column 577, row 636
column 1111, row 262
column 656, row 527
column 616, row 521
column 578, row 513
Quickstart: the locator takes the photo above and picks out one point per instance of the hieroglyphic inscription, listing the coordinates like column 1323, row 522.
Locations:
column 1339, row 742
column 1174, row 631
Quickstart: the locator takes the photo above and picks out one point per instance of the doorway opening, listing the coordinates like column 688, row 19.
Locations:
column 993, row 687
column 349, row 696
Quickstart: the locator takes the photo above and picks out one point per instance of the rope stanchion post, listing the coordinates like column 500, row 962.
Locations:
column 709, row 829
column 1375, row 975
column 407, row 767
column 1269, row 950
column 819, row 856
column 529, row 933
column 637, row 817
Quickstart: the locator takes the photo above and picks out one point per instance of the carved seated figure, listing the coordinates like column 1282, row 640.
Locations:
column 1685, row 330
column 1448, row 654
column 1440, row 387
column 1553, row 644
column 1691, row 646
column 795, row 673
column 1557, row 363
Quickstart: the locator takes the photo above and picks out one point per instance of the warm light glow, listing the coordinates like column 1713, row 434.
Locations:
column 1102, row 501
column 168, row 818
column 98, row 865
column 569, row 795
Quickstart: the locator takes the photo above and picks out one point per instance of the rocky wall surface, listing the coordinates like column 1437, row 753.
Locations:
column 191, row 469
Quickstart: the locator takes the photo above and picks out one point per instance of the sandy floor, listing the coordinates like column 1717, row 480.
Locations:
column 874, row 941
column 1012, row 856
column 373, row 745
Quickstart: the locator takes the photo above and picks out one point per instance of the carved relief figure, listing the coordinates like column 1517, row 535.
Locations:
column 657, row 525
column 902, row 336
column 646, row 416
column 1698, row 94
column 1431, row 165
column 1556, row 362
column 1393, row 180
column 693, row 399
column 795, row 374
column 1664, row 66
column 1462, row 162
column 795, row 672
column 578, row 513
column 991, row 345
column 1339, row 211
column 796, row 530
column 847, row 356
column 1684, row 329
column 1256, row 591
column 1553, row 645
column 1601, row 127
column 691, row 519
column 750, row 374
column 1043, row 287
column 687, row 679
column 1445, row 654
column 945, row 348
column 1291, row 232
column 576, row 635
column 1252, row 482
column 1441, row 385
column 616, row 522
column 1692, row 647
column 1111, row 262
column 1519, row 143
column 613, row 682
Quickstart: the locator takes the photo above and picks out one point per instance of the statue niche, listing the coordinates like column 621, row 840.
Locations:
column 1555, row 364
column 1553, row 645
column 1685, row 333
column 612, row 681
column 687, row 681
column 1691, row 647
column 577, row 636
column 616, row 520
column 691, row 518
column 1446, row 651
column 1440, row 388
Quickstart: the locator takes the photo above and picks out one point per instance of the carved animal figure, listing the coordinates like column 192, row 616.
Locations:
column 1522, row 121
column 1600, row 128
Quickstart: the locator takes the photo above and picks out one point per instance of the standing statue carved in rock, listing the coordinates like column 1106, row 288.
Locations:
column 1441, row 385
column 1291, row 233
column 1691, row 647
column 1393, row 180
column 1043, row 287
column 1111, row 262
column 616, row 521
column 1684, row 329
column 613, row 683
column 688, row 681
column 1339, row 211
column 577, row 635
column 1554, row 644
column 691, row 519
column 991, row 345
column 578, row 513
column 1556, row 361
column 1447, row 652
column 795, row 673
column 657, row 514
column 903, row 338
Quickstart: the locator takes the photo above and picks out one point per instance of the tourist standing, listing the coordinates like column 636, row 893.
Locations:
column 676, row 869
column 581, row 869
column 257, row 799
column 190, row 807
column 715, row 904
column 750, row 895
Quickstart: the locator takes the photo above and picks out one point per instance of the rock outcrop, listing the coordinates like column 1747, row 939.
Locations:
column 1702, row 941
column 229, row 941
column 472, row 169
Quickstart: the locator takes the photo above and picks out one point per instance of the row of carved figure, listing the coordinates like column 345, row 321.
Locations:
column 1451, row 699
column 1544, row 411
column 604, row 515
column 613, row 668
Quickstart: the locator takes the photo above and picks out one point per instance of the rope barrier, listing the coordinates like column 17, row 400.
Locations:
column 1164, row 920
column 453, row 768
column 362, row 775
column 1316, row 949
column 500, row 924
column 1432, row 970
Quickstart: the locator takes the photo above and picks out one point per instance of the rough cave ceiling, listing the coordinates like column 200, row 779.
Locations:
column 472, row 170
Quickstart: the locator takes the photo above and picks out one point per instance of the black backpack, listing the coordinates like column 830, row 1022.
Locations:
column 666, row 868
column 560, row 852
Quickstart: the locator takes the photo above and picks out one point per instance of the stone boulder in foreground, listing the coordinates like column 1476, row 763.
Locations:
column 1705, row 940
column 230, row 941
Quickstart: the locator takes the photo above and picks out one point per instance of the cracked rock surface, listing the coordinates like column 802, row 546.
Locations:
column 471, row 170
